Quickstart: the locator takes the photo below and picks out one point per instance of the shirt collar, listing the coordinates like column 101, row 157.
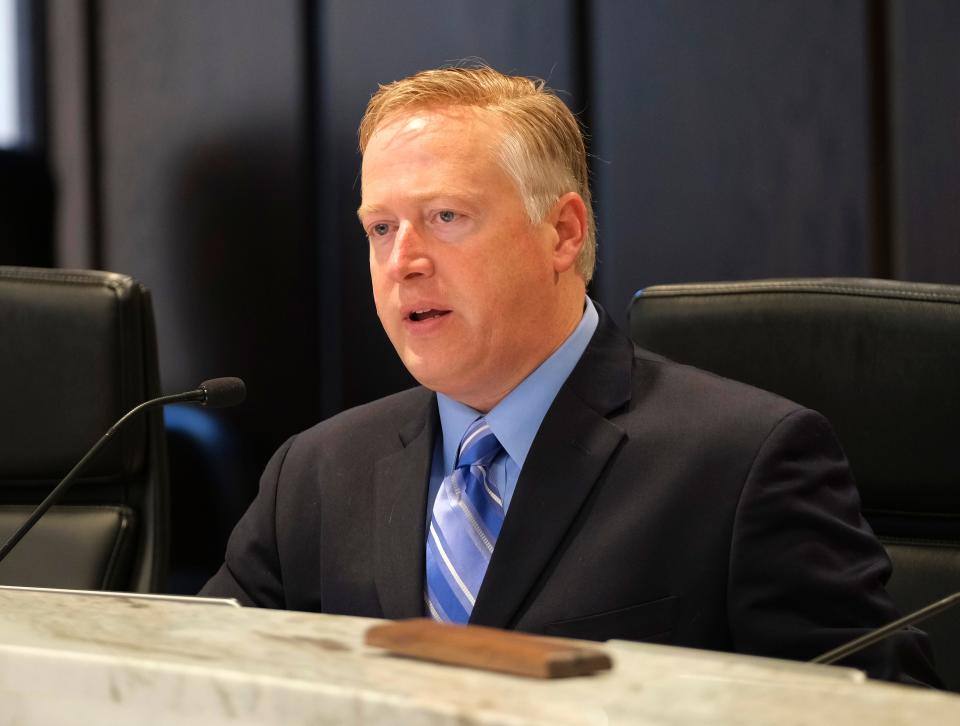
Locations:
column 517, row 418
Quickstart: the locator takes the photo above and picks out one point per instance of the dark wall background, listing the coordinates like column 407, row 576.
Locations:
column 209, row 149
column 924, row 46
column 733, row 141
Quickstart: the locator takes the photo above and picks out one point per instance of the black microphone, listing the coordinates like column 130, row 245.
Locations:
column 222, row 392
column 215, row 393
column 874, row 636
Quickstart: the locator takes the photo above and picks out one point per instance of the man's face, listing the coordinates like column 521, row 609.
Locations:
column 464, row 284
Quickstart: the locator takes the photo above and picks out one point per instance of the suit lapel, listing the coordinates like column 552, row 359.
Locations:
column 569, row 454
column 400, row 496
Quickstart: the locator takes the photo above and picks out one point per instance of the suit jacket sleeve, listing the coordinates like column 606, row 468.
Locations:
column 251, row 570
column 804, row 562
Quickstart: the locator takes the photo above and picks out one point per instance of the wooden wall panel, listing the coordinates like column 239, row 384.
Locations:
column 202, row 163
column 732, row 139
column 925, row 92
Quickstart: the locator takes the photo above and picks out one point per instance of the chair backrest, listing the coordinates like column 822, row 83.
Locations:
column 881, row 359
column 77, row 350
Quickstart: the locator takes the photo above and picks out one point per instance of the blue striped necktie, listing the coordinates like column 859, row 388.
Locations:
column 467, row 516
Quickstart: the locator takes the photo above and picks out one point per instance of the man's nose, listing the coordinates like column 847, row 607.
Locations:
column 410, row 257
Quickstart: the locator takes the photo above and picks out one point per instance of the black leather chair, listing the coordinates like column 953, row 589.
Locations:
column 77, row 350
column 881, row 360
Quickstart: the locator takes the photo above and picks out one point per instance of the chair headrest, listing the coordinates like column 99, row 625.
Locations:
column 71, row 363
column 879, row 358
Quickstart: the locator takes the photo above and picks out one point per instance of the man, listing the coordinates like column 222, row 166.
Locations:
column 548, row 476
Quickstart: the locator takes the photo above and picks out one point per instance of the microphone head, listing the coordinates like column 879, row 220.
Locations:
column 223, row 392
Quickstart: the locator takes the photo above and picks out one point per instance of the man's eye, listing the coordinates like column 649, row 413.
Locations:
column 447, row 216
column 379, row 230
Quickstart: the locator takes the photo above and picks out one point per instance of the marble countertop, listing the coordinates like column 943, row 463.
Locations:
column 67, row 658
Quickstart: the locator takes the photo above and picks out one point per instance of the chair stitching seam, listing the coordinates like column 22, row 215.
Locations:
column 795, row 287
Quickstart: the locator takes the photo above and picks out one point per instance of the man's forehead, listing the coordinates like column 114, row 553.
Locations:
column 458, row 138
column 417, row 121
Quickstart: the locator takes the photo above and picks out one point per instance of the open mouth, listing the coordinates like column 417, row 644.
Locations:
column 419, row 315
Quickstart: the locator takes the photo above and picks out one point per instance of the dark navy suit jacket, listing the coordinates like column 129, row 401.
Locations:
column 658, row 503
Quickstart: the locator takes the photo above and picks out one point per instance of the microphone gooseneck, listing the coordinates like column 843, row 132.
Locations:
column 874, row 636
column 215, row 393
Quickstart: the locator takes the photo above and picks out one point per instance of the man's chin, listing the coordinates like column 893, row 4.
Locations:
column 434, row 375
column 428, row 377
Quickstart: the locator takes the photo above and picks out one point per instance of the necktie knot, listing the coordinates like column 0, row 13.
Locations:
column 479, row 445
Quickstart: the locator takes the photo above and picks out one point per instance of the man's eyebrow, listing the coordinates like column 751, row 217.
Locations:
column 425, row 197
column 367, row 209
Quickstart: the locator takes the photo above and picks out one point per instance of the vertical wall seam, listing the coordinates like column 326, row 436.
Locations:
column 881, row 141
column 310, row 176
column 94, row 141
column 583, row 93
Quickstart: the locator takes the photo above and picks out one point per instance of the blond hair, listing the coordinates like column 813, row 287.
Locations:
column 542, row 148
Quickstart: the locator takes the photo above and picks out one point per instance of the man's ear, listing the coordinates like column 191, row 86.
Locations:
column 568, row 218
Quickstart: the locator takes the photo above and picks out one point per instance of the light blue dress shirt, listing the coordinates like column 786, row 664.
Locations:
column 515, row 420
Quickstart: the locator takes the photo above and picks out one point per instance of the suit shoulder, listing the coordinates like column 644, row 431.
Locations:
column 373, row 423
column 703, row 418
column 699, row 392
